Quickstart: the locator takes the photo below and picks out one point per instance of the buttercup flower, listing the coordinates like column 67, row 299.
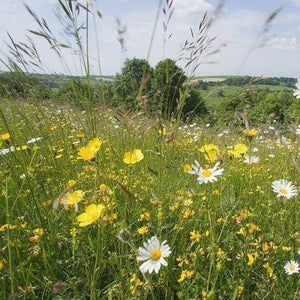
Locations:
column 284, row 188
column 5, row 136
column 89, row 152
column 132, row 157
column 153, row 253
column 92, row 213
column 75, row 197
column 291, row 267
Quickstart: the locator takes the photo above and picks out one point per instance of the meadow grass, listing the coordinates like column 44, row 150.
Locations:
column 229, row 239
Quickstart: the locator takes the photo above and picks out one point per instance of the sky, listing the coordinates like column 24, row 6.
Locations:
column 238, row 26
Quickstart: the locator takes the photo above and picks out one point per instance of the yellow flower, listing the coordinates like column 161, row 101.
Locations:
column 38, row 231
column 90, row 151
column 265, row 247
column 250, row 133
column 92, row 213
column 239, row 150
column 95, row 144
column 143, row 230
column 252, row 258
column 252, row 228
column 185, row 274
column 25, row 147
column 133, row 156
column 195, row 236
column 5, row 136
column 241, row 231
column 186, row 168
column 211, row 152
column 71, row 183
column 75, row 197
column 269, row 269
column 86, row 153
column 7, row 226
column 1, row 265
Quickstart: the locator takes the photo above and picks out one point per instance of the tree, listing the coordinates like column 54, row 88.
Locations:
column 133, row 82
column 194, row 105
column 167, row 83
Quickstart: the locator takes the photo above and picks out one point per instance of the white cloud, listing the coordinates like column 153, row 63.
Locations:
column 284, row 43
column 186, row 7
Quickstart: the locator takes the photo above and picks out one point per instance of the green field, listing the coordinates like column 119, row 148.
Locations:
column 230, row 238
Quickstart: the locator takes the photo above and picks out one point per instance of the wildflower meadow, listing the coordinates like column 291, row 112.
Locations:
column 132, row 201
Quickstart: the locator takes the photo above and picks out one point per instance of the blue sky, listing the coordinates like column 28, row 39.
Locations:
column 238, row 26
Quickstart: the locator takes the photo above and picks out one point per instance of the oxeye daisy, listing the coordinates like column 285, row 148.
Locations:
column 195, row 169
column 251, row 159
column 208, row 175
column 284, row 188
column 291, row 267
column 153, row 253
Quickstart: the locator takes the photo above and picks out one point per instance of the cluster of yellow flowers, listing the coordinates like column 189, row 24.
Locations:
column 90, row 151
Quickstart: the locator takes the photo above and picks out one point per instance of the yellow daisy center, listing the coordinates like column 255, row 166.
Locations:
column 206, row 173
column 283, row 191
column 292, row 268
column 156, row 254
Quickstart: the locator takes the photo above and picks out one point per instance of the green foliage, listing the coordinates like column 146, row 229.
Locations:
column 167, row 83
column 20, row 85
column 73, row 90
column 273, row 81
column 258, row 107
column 133, row 82
column 194, row 105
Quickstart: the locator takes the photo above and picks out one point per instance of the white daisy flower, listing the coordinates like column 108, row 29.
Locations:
column 251, row 159
column 209, row 175
column 195, row 168
column 284, row 188
column 297, row 91
column 298, row 130
column 153, row 254
column 291, row 267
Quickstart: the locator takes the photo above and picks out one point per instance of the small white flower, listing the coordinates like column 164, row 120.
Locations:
column 284, row 188
column 153, row 254
column 251, row 160
column 255, row 149
column 33, row 140
column 297, row 91
column 298, row 252
column 291, row 267
column 4, row 151
column 206, row 175
column 298, row 131
column 271, row 155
